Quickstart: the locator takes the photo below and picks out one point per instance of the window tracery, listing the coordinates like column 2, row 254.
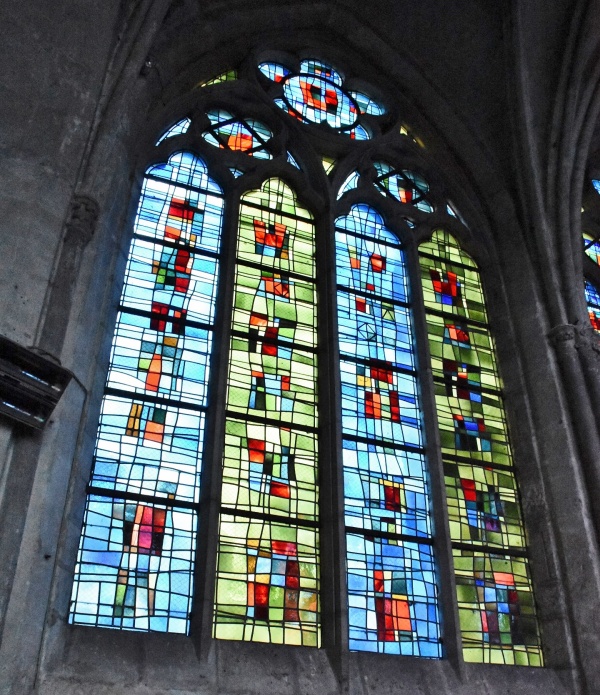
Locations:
column 135, row 566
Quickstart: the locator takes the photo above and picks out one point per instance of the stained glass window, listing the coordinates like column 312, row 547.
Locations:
column 494, row 591
column 316, row 94
column 367, row 105
column 139, row 541
column 392, row 593
column 178, row 128
column 403, row 185
column 229, row 133
column 227, row 76
column 591, row 246
column 268, row 568
column 292, row 161
column 135, row 562
column 350, row 183
column 592, row 296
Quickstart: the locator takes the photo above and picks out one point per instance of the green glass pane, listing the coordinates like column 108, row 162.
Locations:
column 473, row 429
column 274, row 305
column 270, row 591
column 277, row 197
column 452, row 288
column 483, row 506
column 276, row 240
column 267, row 571
column 444, row 246
column 494, row 592
column 280, row 386
column 496, row 609
column 270, row 470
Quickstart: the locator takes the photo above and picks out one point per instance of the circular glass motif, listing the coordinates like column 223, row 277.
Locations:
column 320, row 100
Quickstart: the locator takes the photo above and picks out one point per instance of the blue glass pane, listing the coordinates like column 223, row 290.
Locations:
column 161, row 276
column 320, row 69
column 365, row 220
column 366, row 266
column 292, row 161
column 319, row 100
column 385, row 489
column 380, row 403
column 367, row 105
column 392, row 597
column 359, row 133
column 135, row 559
column 184, row 168
column 405, row 186
column 135, row 566
column 391, row 584
column 350, row 183
column 178, row 128
column 274, row 71
column 149, row 448
column 373, row 329
column 592, row 296
column 180, row 215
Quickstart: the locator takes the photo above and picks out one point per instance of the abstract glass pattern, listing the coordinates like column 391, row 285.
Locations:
column 591, row 247
column 496, row 609
column 179, row 128
column 359, row 133
column 268, row 572
column 496, row 606
column 315, row 94
column 292, row 161
column 367, row 105
column 391, row 574
column 350, row 183
column 592, row 297
column 135, row 564
column 404, row 186
column 238, row 135
column 227, row 76
column 328, row 164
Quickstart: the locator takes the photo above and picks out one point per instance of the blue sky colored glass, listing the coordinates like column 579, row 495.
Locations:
column 135, row 564
column 392, row 593
column 316, row 94
column 405, row 186
column 238, row 135
column 591, row 246
column 592, row 297
column 179, row 128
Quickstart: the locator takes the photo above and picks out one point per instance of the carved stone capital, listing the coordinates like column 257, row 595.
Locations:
column 589, row 340
column 559, row 336
column 83, row 215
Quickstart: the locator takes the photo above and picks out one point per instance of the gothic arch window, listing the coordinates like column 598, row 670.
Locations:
column 302, row 336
